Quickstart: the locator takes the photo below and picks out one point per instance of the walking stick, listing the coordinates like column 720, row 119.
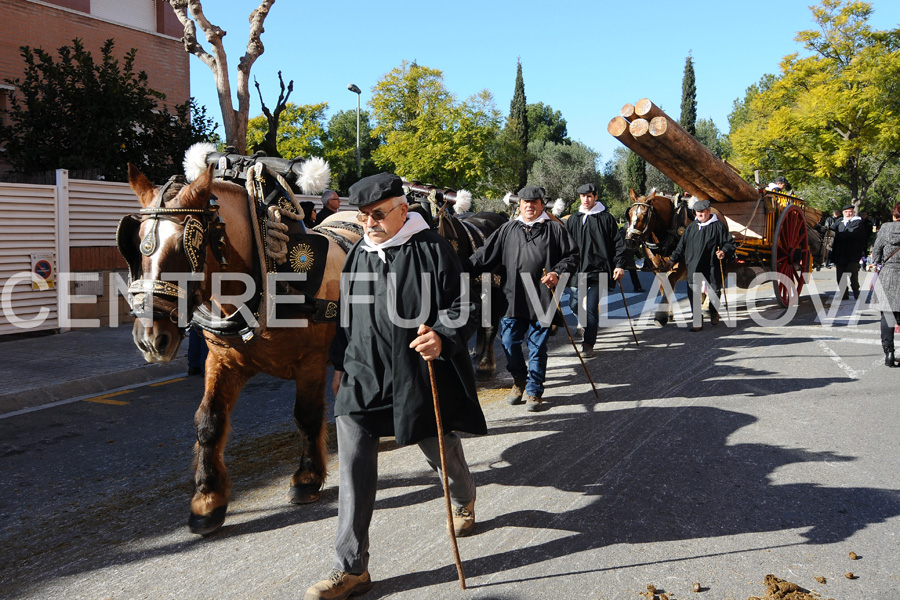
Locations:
column 627, row 312
column 444, row 481
column 571, row 339
column 724, row 295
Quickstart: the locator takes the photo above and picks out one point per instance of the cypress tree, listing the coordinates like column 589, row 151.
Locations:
column 636, row 173
column 518, row 123
column 688, row 118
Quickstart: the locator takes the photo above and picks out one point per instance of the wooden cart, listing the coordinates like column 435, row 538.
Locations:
column 774, row 231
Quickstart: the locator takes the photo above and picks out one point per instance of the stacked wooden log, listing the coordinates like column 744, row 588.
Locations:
column 654, row 136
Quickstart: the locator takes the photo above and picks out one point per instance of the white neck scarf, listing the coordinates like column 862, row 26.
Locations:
column 595, row 210
column 853, row 218
column 544, row 217
column 414, row 224
column 712, row 219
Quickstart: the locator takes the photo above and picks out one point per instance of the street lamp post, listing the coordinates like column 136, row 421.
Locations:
column 352, row 87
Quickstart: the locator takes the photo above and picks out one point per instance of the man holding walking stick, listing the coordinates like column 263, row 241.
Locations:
column 532, row 252
column 705, row 242
column 602, row 253
column 402, row 309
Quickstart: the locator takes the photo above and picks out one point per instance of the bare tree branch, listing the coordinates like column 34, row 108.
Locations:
column 234, row 121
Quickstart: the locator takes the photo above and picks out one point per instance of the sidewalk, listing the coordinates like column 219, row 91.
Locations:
column 51, row 368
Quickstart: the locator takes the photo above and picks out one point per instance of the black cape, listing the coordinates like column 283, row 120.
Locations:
column 850, row 241
column 697, row 248
column 517, row 250
column 323, row 214
column 386, row 387
column 600, row 246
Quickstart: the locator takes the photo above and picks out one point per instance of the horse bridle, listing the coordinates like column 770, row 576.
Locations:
column 631, row 230
column 161, row 298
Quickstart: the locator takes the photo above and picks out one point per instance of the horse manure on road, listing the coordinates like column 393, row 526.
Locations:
column 779, row 589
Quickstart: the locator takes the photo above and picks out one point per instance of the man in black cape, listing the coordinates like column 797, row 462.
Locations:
column 705, row 243
column 602, row 259
column 850, row 239
column 401, row 306
column 531, row 251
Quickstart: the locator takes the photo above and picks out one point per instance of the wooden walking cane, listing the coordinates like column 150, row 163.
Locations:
column 571, row 339
column 627, row 312
column 444, row 481
column 724, row 295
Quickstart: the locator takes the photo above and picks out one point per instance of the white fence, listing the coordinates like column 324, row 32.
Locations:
column 39, row 227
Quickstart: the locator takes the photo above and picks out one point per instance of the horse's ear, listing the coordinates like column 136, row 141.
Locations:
column 141, row 186
column 634, row 197
column 197, row 193
column 651, row 196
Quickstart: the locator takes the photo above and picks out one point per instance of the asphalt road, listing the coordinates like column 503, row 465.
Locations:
column 714, row 457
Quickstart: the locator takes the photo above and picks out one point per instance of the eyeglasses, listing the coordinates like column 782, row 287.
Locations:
column 376, row 215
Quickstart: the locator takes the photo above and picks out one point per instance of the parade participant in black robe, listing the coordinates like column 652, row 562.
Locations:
column 850, row 238
column 705, row 242
column 602, row 258
column 402, row 304
column 535, row 249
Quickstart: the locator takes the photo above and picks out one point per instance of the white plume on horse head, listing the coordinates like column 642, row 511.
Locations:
column 463, row 201
column 314, row 175
column 507, row 199
column 558, row 207
column 195, row 159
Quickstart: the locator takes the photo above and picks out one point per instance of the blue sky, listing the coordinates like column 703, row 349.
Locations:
column 584, row 58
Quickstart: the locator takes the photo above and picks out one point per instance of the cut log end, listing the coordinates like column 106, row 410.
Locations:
column 639, row 127
column 627, row 111
column 617, row 126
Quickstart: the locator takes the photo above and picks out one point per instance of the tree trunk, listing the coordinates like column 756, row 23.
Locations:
column 680, row 142
column 619, row 128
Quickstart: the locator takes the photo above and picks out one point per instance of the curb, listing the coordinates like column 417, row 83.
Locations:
column 25, row 399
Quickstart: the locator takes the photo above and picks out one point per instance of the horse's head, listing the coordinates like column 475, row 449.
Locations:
column 165, row 246
column 639, row 217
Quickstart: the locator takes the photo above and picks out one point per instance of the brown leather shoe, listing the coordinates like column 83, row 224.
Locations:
column 515, row 394
column 464, row 519
column 714, row 319
column 532, row 403
column 696, row 329
column 339, row 586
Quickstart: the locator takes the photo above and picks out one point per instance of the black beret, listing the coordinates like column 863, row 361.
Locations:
column 701, row 205
column 375, row 188
column 588, row 188
column 532, row 192
column 781, row 179
column 849, row 207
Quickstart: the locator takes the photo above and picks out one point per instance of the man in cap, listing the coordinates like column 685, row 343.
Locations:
column 602, row 259
column 532, row 251
column 331, row 203
column 850, row 237
column 402, row 306
column 705, row 242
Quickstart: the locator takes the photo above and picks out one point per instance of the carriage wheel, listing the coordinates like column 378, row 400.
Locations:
column 790, row 253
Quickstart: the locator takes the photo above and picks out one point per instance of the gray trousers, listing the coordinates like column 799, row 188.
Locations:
column 358, row 457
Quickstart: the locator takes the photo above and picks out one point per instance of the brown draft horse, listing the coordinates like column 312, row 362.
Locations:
column 656, row 223
column 170, row 216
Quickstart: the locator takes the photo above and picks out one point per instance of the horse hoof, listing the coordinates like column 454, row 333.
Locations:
column 659, row 323
column 304, row 493
column 207, row 524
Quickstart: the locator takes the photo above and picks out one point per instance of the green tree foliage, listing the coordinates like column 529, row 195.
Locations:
column 546, row 124
column 561, row 168
column 517, row 125
column 688, row 118
column 79, row 114
column 709, row 135
column 833, row 115
column 636, row 168
column 428, row 135
column 301, row 130
column 340, row 149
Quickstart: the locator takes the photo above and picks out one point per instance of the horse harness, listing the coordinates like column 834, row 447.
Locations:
column 673, row 231
column 203, row 228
